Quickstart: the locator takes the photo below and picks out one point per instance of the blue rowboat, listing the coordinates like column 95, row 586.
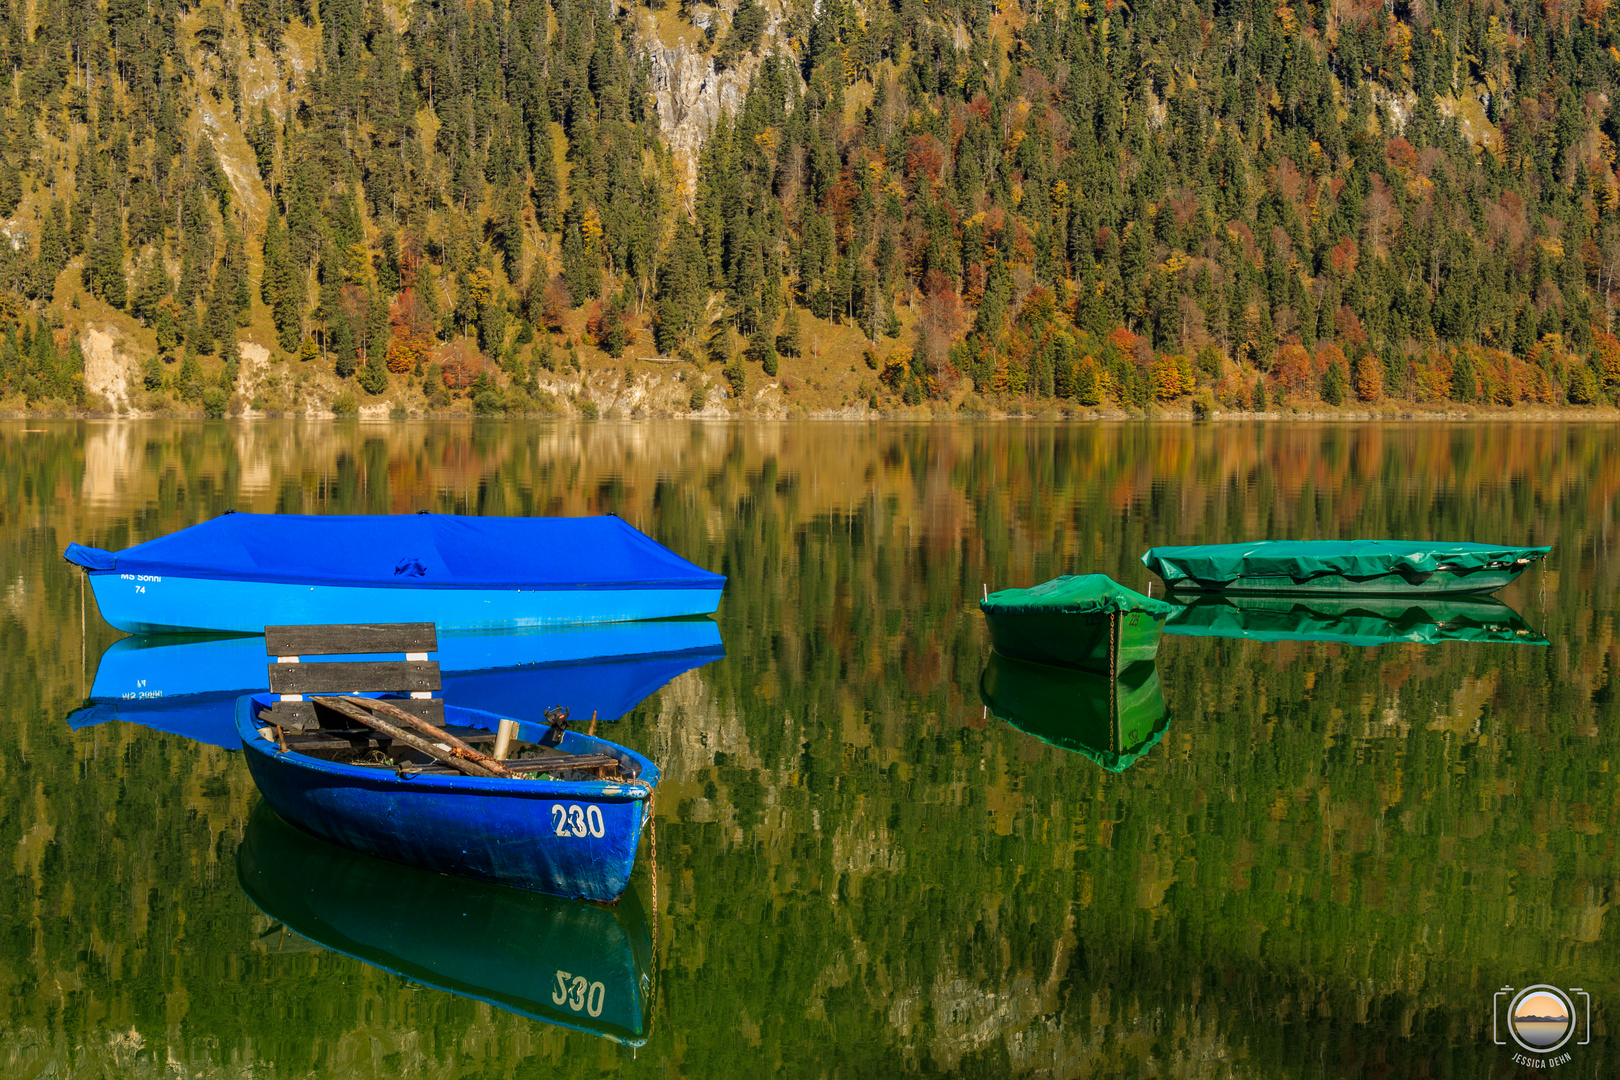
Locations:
column 189, row 686
column 241, row 572
column 574, row 838
column 582, row 966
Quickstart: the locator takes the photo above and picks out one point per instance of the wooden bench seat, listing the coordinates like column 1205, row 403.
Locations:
column 310, row 715
column 293, row 677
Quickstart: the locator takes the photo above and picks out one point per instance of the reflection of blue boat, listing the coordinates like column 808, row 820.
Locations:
column 567, row 837
column 565, row 962
column 189, row 686
column 1364, row 620
column 241, row 572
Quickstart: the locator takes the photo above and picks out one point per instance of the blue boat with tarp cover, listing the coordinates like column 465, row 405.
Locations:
column 240, row 572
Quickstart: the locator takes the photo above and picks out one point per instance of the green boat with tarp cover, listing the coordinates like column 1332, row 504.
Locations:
column 1354, row 567
column 1112, row 721
column 1086, row 621
column 1362, row 620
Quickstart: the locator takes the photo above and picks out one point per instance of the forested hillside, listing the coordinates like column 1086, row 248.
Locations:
column 1232, row 205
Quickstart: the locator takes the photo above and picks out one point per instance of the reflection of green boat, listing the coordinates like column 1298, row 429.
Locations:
column 1088, row 621
column 1112, row 721
column 566, row 962
column 1369, row 620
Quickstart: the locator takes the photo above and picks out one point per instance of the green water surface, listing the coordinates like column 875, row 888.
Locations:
column 1328, row 865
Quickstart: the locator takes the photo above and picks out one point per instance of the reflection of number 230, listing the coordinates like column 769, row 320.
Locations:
column 576, row 820
column 574, row 992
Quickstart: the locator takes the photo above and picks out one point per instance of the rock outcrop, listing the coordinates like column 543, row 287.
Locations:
column 691, row 95
column 107, row 371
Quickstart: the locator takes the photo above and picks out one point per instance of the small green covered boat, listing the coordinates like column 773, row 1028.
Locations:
column 1086, row 621
column 1114, row 722
column 1343, row 567
column 1365, row 621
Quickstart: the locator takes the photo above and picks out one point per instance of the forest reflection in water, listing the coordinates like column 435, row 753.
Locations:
column 1325, row 861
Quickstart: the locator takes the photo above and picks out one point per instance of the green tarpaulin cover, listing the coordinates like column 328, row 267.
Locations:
column 1302, row 560
column 1074, row 594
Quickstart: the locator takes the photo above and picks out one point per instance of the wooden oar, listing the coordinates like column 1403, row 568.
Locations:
column 442, row 751
column 457, row 747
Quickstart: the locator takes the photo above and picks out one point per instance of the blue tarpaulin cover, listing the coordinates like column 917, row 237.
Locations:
column 417, row 551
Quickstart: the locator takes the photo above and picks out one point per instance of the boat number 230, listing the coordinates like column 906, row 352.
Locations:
column 577, row 820
column 579, row 994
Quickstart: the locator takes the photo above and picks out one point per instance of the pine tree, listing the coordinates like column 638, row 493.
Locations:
column 373, row 377
column 53, row 253
column 1333, row 383
column 790, row 341
column 152, row 284
column 106, row 265
column 582, row 270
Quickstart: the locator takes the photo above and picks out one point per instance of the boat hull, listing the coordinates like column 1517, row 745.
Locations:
column 577, row 965
column 1439, row 583
column 152, row 604
column 573, row 839
column 1105, row 642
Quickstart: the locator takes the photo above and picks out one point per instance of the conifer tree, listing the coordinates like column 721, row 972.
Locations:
column 106, row 261
column 152, row 284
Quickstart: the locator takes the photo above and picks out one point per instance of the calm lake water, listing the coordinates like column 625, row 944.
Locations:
column 1326, row 865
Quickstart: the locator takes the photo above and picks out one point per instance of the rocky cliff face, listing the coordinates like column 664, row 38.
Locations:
column 691, row 95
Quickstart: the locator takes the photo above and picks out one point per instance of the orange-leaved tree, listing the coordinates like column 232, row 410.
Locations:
column 1606, row 359
column 1296, row 374
column 412, row 327
column 1369, row 378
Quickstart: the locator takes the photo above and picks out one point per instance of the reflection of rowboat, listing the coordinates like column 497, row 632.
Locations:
column 1372, row 620
column 240, row 572
column 1088, row 621
column 1112, row 721
column 1355, row 567
column 189, row 686
column 565, row 962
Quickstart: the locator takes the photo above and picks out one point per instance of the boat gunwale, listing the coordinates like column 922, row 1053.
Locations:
column 386, row 779
column 1455, row 584
column 421, row 585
